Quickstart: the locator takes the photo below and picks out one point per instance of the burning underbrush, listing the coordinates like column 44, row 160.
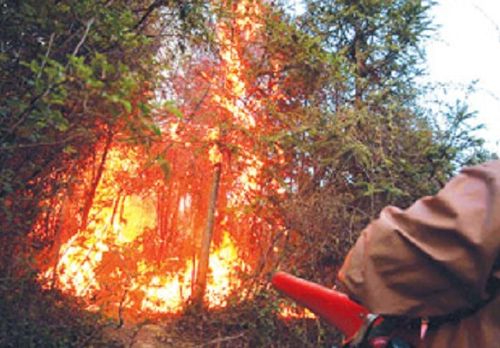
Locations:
column 146, row 230
column 112, row 280
column 255, row 323
column 135, row 261
column 123, row 265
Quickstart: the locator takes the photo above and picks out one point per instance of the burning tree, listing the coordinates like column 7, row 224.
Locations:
column 186, row 217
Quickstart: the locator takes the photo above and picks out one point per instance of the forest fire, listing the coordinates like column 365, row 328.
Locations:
column 137, row 248
column 112, row 247
column 81, row 258
column 160, row 161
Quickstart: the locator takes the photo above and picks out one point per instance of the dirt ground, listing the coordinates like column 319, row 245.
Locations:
column 159, row 335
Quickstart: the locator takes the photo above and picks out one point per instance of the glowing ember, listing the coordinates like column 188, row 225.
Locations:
column 293, row 312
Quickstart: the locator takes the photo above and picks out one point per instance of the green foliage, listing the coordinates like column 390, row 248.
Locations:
column 457, row 145
column 357, row 137
column 76, row 73
column 377, row 44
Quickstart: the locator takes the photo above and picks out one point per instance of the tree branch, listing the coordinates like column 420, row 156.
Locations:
column 150, row 10
column 51, row 41
column 223, row 339
column 82, row 40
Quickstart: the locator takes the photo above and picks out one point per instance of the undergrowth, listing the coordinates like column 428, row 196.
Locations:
column 33, row 317
column 255, row 323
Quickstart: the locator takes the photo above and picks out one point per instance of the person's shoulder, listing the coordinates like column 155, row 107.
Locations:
column 490, row 169
column 490, row 165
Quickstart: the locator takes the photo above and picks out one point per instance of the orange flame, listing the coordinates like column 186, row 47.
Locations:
column 170, row 293
column 120, row 220
column 294, row 312
column 82, row 259
column 82, row 255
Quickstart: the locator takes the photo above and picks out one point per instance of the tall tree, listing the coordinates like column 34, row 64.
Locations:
column 377, row 43
column 227, row 98
column 361, row 140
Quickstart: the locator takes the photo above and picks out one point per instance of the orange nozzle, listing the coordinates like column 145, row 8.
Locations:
column 333, row 306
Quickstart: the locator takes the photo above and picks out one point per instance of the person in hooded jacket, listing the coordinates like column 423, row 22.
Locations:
column 437, row 262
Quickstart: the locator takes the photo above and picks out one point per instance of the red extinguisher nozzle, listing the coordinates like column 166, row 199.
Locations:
column 333, row 306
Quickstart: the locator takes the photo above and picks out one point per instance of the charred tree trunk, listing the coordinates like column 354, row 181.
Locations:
column 202, row 270
column 60, row 224
column 97, row 178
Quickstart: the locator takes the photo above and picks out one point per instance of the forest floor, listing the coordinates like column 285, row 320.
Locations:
column 159, row 335
column 148, row 336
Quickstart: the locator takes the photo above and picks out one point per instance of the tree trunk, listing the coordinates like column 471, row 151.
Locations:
column 202, row 271
column 97, row 178
column 359, row 59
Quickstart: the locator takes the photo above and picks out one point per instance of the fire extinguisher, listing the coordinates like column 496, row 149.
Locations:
column 361, row 328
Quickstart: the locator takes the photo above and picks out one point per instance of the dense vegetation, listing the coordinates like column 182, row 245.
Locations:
column 343, row 135
column 362, row 140
column 72, row 73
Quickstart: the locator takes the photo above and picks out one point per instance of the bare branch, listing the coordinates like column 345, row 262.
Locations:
column 51, row 41
column 222, row 339
column 82, row 40
column 27, row 146
column 150, row 10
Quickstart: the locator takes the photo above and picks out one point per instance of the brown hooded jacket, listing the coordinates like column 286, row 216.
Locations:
column 440, row 257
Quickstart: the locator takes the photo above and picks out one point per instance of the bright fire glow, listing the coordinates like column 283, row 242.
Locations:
column 233, row 100
column 169, row 294
column 85, row 269
column 82, row 256
column 110, row 254
column 293, row 312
